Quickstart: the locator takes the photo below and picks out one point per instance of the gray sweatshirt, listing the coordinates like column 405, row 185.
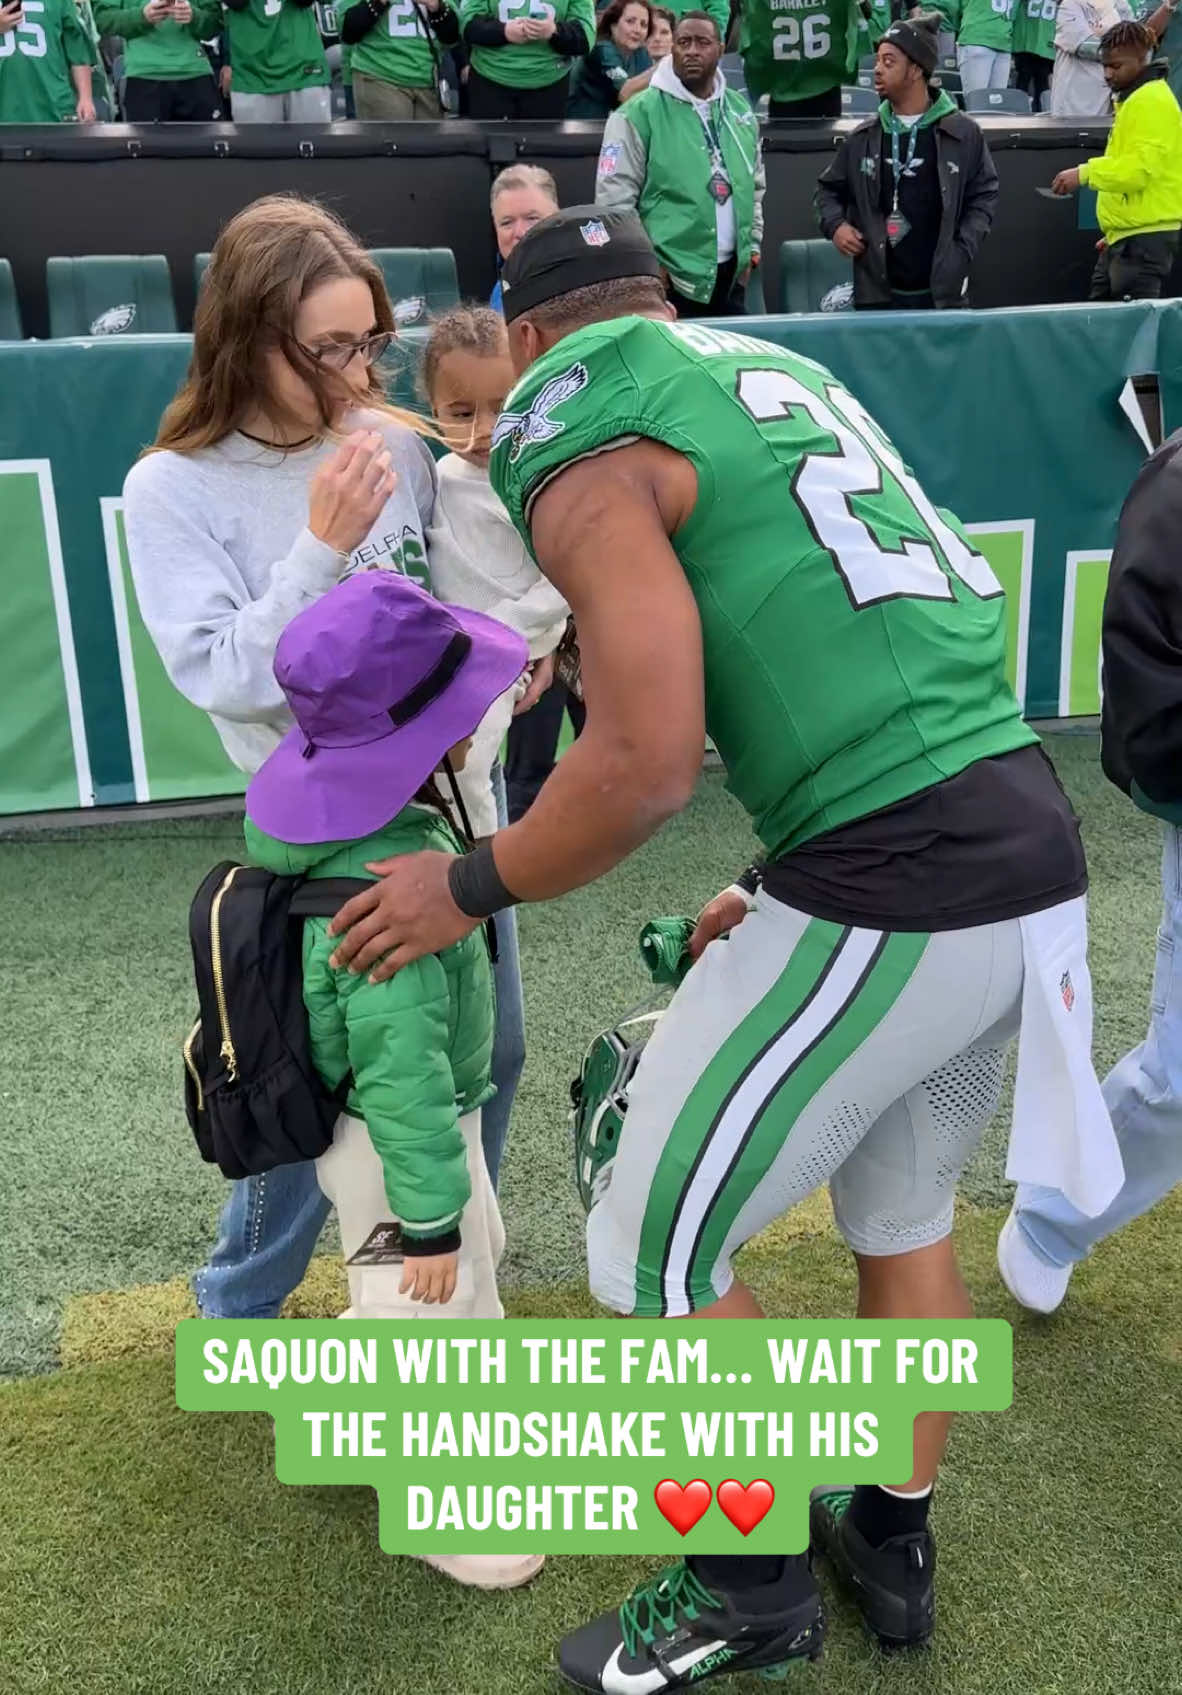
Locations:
column 223, row 560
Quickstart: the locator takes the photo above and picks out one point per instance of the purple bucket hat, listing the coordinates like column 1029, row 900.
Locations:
column 383, row 680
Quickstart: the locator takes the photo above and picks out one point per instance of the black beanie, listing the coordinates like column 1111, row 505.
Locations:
column 917, row 38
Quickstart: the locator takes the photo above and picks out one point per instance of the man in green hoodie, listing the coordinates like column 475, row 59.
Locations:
column 685, row 156
column 1138, row 179
column 910, row 194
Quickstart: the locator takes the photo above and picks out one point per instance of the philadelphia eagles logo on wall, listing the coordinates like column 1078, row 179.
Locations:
column 114, row 320
column 536, row 425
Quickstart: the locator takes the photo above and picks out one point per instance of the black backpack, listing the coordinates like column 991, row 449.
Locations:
column 253, row 1097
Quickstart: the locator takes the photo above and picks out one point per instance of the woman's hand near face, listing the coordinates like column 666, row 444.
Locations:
column 347, row 493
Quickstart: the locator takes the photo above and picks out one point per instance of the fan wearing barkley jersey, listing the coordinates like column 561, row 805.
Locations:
column 746, row 554
column 800, row 52
column 279, row 73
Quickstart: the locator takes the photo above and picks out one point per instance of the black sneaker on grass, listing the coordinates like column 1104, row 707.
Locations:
column 891, row 1585
column 674, row 1633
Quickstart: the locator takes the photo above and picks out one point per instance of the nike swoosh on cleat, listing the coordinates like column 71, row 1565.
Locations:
column 617, row 1682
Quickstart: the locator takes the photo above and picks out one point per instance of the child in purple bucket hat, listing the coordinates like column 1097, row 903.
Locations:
column 386, row 684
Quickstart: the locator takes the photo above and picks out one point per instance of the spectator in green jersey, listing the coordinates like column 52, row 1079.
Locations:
column 614, row 69
column 521, row 52
column 45, row 64
column 102, row 92
column 169, row 78
column 984, row 44
column 948, row 12
column 1034, row 49
column 801, row 52
column 395, row 55
column 279, row 73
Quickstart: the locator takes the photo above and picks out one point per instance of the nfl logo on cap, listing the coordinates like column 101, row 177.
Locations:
column 594, row 233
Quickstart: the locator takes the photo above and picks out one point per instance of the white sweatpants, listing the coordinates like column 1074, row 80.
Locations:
column 350, row 1174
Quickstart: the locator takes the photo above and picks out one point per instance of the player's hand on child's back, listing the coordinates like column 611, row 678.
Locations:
column 722, row 914
column 349, row 490
column 431, row 1280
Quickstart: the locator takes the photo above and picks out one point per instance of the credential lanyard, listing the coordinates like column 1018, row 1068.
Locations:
column 912, row 134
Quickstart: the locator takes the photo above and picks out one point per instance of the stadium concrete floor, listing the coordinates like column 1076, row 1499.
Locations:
column 147, row 1552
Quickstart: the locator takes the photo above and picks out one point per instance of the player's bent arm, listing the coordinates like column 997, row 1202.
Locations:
column 601, row 534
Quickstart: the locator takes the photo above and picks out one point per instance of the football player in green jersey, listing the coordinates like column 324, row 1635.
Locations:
column 800, row 52
column 45, row 65
column 746, row 555
column 278, row 73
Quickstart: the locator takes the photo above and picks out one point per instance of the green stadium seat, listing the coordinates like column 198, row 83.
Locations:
column 110, row 294
column 420, row 281
column 200, row 266
column 997, row 100
column 858, row 102
column 10, row 312
column 808, row 271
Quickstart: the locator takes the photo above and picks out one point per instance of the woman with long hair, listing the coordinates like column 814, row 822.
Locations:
column 278, row 470
column 612, row 70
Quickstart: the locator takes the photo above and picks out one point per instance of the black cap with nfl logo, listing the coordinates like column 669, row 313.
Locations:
column 575, row 248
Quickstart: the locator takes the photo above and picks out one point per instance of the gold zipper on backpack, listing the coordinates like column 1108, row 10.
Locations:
column 187, row 1051
column 215, row 942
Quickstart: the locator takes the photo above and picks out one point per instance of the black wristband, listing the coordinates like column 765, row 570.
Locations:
column 476, row 885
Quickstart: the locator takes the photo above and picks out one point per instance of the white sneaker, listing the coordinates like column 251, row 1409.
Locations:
column 1030, row 1280
column 487, row 1571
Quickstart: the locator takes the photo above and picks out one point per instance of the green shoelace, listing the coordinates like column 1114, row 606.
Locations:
column 657, row 1603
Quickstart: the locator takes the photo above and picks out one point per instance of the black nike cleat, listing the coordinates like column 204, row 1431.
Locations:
column 891, row 1585
column 674, row 1633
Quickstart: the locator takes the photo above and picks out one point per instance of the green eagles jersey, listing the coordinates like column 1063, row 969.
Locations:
column 1034, row 27
column 528, row 64
column 35, row 61
column 987, row 23
column 275, row 47
column 397, row 48
column 719, row 10
column 854, row 642
column 795, row 49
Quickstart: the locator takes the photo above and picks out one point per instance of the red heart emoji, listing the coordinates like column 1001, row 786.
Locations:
column 682, row 1507
column 746, row 1507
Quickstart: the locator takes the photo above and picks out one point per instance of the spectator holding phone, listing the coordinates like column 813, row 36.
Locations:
column 45, row 64
column 521, row 52
column 169, row 79
column 394, row 52
column 279, row 74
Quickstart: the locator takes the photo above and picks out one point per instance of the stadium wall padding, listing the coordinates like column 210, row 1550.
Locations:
column 168, row 189
column 1021, row 421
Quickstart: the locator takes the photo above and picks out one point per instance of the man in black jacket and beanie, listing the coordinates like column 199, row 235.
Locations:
column 910, row 194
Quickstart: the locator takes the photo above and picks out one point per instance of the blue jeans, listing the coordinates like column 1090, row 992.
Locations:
column 270, row 1225
column 1144, row 1096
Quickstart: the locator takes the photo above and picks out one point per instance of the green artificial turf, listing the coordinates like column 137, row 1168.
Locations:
column 150, row 1552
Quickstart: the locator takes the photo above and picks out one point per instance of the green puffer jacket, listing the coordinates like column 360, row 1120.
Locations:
column 419, row 1045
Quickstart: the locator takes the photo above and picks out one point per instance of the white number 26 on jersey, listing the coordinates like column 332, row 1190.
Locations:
column 824, row 483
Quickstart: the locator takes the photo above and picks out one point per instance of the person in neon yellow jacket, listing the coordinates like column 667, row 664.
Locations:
column 1138, row 179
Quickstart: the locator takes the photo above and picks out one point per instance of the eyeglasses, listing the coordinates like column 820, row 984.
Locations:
column 338, row 356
